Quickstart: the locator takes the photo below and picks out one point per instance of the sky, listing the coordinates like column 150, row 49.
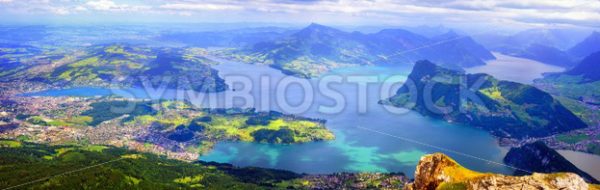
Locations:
column 483, row 13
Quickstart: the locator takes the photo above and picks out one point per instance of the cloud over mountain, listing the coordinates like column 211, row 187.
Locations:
column 521, row 12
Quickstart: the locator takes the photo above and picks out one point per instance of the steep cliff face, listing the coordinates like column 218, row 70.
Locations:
column 438, row 171
column 537, row 157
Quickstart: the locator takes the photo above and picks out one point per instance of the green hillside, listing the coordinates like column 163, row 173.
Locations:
column 506, row 109
column 130, row 65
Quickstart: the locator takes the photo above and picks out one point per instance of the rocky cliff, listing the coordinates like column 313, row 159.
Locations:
column 438, row 171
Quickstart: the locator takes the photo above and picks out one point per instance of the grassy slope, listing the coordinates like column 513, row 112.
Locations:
column 569, row 90
column 522, row 110
column 100, row 167
column 104, row 65
column 29, row 162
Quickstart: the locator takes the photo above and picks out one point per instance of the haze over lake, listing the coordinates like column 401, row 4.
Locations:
column 515, row 69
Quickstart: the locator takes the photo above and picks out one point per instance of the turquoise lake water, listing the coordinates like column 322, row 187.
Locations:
column 355, row 148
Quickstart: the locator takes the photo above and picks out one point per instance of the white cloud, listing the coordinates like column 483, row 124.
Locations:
column 80, row 8
column 108, row 5
column 103, row 5
column 371, row 11
column 201, row 7
column 59, row 10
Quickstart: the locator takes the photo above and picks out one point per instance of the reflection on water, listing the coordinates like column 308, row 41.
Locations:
column 514, row 69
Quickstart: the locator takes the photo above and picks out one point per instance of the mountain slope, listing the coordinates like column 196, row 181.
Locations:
column 542, row 53
column 581, row 83
column 309, row 51
column 586, row 47
column 105, row 167
column 317, row 49
column 122, row 169
column 438, row 171
column 128, row 65
column 462, row 49
column 588, row 68
column 506, row 109
column 537, row 157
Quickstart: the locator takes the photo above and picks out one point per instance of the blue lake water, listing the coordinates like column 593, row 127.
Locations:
column 407, row 136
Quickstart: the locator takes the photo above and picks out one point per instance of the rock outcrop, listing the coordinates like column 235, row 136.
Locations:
column 438, row 171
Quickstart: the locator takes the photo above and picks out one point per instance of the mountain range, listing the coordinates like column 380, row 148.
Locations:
column 561, row 39
column 317, row 48
column 560, row 47
column 506, row 109
column 227, row 38
column 539, row 52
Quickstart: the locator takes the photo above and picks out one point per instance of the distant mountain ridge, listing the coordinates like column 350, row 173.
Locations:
column 561, row 39
column 542, row 53
column 588, row 68
column 429, row 30
column 549, row 46
column 317, row 48
column 506, row 109
column 586, row 47
column 227, row 38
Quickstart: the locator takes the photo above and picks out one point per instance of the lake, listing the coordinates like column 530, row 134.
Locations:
column 515, row 69
column 374, row 141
